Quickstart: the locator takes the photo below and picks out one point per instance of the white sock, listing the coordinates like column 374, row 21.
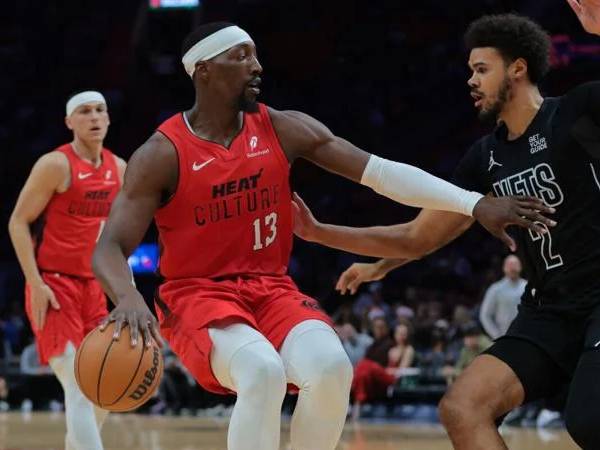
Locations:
column 315, row 361
column 82, row 430
column 244, row 361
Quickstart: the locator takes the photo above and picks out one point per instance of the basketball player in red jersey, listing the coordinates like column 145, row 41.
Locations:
column 67, row 198
column 215, row 178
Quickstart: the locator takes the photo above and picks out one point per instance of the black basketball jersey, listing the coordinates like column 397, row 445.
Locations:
column 557, row 159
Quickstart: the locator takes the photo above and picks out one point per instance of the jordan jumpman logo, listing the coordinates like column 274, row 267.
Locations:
column 493, row 162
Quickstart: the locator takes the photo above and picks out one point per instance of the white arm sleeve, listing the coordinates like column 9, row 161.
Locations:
column 415, row 187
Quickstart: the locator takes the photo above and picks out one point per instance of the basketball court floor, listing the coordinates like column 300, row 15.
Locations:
column 39, row 431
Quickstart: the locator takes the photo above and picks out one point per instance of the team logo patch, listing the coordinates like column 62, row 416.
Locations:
column 253, row 142
column 196, row 167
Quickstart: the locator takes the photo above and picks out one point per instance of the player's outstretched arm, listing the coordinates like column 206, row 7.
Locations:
column 429, row 231
column 304, row 136
column 49, row 175
column 151, row 172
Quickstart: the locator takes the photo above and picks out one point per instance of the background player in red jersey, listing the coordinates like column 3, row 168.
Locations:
column 215, row 178
column 57, row 220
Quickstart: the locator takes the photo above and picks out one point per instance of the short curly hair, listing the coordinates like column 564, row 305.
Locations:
column 514, row 37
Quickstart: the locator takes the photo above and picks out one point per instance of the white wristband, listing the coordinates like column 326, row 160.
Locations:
column 414, row 187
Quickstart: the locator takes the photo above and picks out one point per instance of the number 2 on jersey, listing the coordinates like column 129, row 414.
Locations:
column 552, row 260
column 271, row 223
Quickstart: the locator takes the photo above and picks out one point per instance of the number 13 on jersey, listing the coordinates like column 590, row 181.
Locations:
column 265, row 228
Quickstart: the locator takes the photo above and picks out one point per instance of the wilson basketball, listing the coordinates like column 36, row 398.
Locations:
column 113, row 374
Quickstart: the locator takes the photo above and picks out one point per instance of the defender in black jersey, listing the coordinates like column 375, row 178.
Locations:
column 544, row 147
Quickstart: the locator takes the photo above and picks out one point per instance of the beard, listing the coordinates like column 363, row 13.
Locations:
column 490, row 116
column 247, row 105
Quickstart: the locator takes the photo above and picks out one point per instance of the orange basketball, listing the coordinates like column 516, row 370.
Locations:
column 113, row 374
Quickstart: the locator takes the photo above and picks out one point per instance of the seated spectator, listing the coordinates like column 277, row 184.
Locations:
column 378, row 370
column 372, row 302
column 475, row 342
column 433, row 360
column 354, row 342
column 404, row 313
column 402, row 354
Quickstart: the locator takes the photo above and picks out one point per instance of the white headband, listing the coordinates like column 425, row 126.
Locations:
column 212, row 45
column 82, row 98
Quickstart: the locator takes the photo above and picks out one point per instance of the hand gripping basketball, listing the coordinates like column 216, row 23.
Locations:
column 132, row 310
column 121, row 375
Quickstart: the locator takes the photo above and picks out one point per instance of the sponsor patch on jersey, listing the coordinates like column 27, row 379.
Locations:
column 258, row 153
column 537, row 143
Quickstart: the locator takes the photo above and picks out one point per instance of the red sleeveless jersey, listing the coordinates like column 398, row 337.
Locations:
column 231, row 213
column 73, row 220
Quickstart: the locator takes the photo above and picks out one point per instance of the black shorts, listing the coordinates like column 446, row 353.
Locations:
column 543, row 347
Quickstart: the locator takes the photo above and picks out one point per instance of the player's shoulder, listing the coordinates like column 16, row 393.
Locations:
column 159, row 143
column 158, row 152
column 51, row 171
column 55, row 160
column 577, row 98
column 289, row 117
column 298, row 132
column 582, row 91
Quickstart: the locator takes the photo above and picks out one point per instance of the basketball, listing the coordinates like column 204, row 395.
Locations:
column 114, row 375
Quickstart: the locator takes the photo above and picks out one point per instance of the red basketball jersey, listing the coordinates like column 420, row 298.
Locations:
column 72, row 221
column 231, row 213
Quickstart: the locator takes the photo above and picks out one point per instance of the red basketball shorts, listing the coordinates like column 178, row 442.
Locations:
column 186, row 308
column 82, row 308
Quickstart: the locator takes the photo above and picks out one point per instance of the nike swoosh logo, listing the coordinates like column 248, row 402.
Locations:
column 197, row 167
column 597, row 344
column 83, row 176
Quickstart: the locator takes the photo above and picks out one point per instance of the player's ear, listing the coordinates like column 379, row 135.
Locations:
column 518, row 69
column 202, row 70
column 68, row 123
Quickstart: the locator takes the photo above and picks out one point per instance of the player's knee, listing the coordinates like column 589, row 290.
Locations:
column 456, row 409
column 333, row 374
column 450, row 411
column 264, row 378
